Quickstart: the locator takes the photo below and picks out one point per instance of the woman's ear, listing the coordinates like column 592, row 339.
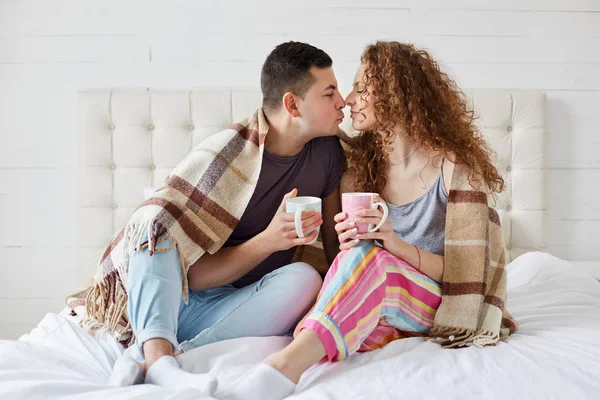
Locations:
column 290, row 104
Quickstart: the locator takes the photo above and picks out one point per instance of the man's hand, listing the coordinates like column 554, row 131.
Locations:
column 281, row 232
column 231, row 263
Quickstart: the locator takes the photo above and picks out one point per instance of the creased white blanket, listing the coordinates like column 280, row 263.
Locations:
column 554, row 355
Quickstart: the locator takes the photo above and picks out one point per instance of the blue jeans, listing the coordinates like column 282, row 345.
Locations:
column 271, row 306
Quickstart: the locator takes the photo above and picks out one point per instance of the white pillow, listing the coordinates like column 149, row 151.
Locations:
column 148, row 190
column 500, row 215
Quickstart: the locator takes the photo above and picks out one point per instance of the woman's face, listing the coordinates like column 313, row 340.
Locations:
column 363, row 118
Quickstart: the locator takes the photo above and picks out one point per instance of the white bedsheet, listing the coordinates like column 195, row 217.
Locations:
column 554, row 355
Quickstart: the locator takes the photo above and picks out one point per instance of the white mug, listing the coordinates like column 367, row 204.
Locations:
column 297, row 205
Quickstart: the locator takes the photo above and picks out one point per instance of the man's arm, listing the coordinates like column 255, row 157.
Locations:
column 331, row 207
column 228, row 264
column 231, row 263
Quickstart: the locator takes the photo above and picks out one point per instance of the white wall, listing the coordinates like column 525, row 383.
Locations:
column 51, row 50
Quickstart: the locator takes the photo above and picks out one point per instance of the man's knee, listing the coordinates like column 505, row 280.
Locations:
column 302, row 276
column 162, row 265
column 295, row 286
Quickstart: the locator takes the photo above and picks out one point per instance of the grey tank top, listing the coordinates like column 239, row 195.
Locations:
column 422, row 222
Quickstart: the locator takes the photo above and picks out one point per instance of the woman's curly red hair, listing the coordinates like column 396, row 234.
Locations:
column 408, row 88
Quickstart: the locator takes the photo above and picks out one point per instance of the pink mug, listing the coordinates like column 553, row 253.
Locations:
column 354, row 202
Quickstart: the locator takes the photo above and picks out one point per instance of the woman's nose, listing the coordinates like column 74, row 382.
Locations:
column 349, row 100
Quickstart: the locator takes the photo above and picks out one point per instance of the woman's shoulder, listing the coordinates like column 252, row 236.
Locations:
column 473, row 178
column 448, row 169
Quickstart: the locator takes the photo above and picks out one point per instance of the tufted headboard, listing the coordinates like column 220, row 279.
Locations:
column 131, row 139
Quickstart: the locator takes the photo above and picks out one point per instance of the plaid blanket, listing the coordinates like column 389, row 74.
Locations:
column 472, row 311
column 199, row 205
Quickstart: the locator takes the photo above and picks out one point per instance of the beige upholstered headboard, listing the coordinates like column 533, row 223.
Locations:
column 131, row 139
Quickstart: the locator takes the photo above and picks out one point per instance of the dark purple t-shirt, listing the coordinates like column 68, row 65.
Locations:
column 315, row 171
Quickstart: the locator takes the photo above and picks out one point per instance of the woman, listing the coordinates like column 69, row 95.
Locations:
column 421, row 152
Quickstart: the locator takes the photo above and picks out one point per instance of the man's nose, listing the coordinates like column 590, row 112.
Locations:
column 341, row 103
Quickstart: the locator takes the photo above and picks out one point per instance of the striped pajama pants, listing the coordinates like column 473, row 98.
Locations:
column 368, row 299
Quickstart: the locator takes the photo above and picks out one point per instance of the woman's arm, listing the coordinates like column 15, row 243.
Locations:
column 428, row 263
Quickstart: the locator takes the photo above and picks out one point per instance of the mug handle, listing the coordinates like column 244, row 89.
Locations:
column 385, row 215
column 298, row 220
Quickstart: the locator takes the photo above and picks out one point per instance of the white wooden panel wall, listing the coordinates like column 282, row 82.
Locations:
column 51, row 50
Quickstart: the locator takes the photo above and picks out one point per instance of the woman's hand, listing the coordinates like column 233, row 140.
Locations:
column 385, row 234
column 346, row 231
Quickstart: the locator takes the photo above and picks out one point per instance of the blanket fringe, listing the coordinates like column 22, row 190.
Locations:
column 103, row 315
column 133, row 238
column 106, row 301
column 450, row 337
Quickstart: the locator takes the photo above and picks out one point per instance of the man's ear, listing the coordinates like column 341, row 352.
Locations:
column 290, row 104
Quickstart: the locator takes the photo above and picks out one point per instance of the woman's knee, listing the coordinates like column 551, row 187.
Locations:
column 347, row 261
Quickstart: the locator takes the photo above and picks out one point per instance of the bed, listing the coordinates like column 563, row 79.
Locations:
column 130, row 140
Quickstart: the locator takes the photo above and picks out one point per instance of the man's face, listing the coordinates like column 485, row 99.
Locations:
column 321, row 109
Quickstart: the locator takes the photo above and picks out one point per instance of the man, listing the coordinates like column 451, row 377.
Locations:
column 248, row 287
